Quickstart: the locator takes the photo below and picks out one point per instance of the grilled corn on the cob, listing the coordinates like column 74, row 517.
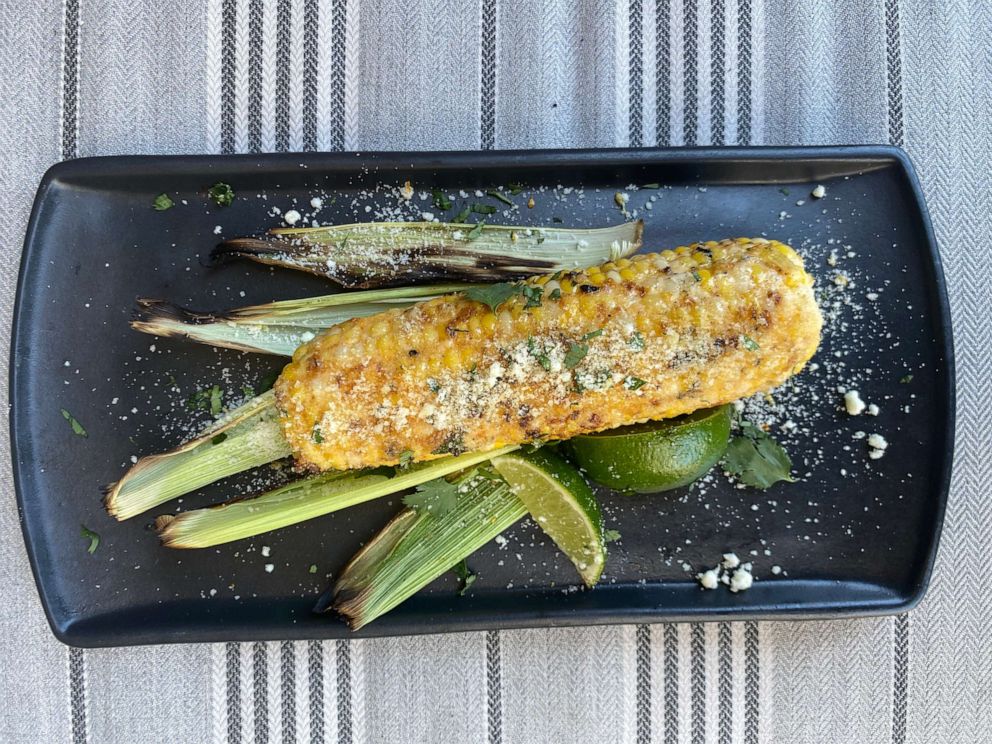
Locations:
column 649, row 337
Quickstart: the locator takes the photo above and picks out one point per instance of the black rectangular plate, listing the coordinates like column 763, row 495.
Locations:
column 854, row 544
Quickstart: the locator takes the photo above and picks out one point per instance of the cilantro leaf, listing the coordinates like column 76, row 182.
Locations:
column 592, row 334
column 636, row 342
column 219, row 438
column 555, row 294
column 493, row 295
column 77, row 428
column 634, row 383
column 162, row 202
column 90, row 535
column 216, row 401
column 756, row 459
column 316, row 435
column 406, row 459
column 483, row 209
column 222, row 194
column 651, row 186
column 514, row 188
column 313, row 568
column 440, row 199
column 436, row 497
column 533, row 295
column 610, row 536
column 575, row 354
column 906, row 379
column 500, row 197
column 749, row 343
column 476, row 231
column 462, row 215
column 466, row 577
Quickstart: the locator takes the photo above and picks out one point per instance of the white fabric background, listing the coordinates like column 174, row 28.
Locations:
column 96, row 77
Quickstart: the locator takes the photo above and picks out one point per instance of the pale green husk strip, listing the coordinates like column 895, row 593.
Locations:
column 417, row 547
column 276, row 327
column 380, row 254
column 300, row 501
column 245, row 438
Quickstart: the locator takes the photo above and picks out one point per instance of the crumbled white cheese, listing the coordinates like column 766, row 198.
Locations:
column 872, row 296
column 877, row 441
column 427, row 216
column 872, row 409
column 266, row 551
column 708, row 579
column 741, row 580
column 291, row 217
column 270, row 567
column 776, row 570
column 218, row 229
column 316, row 202
column 819, row 192
column 406, row 191
column 730, row 560
column 853, row 403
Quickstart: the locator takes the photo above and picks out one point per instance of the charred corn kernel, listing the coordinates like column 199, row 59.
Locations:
column 692, row 306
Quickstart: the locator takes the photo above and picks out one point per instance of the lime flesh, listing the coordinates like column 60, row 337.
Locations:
column 657, row 455
column 562, row 503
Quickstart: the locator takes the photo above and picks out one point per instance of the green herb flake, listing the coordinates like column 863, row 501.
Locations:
column 440, row 200
column 749, row 343
column 406, row 459
column 454, row 444
column 436, row 497
column 483, row 209
column 636, row 342
column 554, row 294
column 499, row 196
column 634, row 383
column 221, row 194
column 575, row 354
column 90, row 535
column 651, row 186
column 610, row 536
column 313, row 568
column 219, row 438
column 906, row 379
column 465, row 577
column 784, row 191
column 592, row 334
column 493, row 295
column 533, row 295
column 696, row 275
column 756, row 459
column 514, row 188
column 476, row 231
column 433, row 385
column 316, row 435
column 162, row 202
column 216, row 401
column 77, row 428
column 462, row 215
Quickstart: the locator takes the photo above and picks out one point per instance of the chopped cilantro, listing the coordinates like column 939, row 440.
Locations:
column 493, row 295
column 406, row 459
column 441, row 200
column 756, row 459
column 610, row 536
column 462, row 215
column 162, row 202
column 77, row 428
column 219, row 438
column 476, row 231
column 592, row 334
column 313, row 568
column 575, row 354
column 533, row 295
column 222, row 194
column 784, row 191
column 90, row 535
column 433, row 385
column 906, row 379
column 216, row 401
column 514, row 188
column 749, row 343
column 651, row 186
column 437, row 497
column 483, row 209
column 500, row 197
column 696, row 275
column 636, row 342
column 316, row 435
column 634, row 383
column 466, row 577
column 248, row 391
column 554, row 294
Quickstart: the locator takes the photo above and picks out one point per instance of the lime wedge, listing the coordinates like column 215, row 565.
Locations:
column 656, row 455
column 562, row 503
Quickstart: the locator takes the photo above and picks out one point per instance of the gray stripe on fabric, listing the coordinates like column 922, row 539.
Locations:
column 725, row 682
column 663, row 69
column 744, row 72
column 697, row 672
column 311, row 42
column 339, row 17
column 643, row 656
column 260, row 689
column 345, row 728
column 752, row 683
column 70, row 81
column 494, row 688
column 315, row 689
column 893, row 64
column 671, row 637
column 229, row 65
column 718, row 21
column 287, row 667
column 255, row 75
column 636, row 73
column 284, row 37
column 77, row 694
column 487, row 116
column 690, row 121
column 900, row 675
column 233, row 693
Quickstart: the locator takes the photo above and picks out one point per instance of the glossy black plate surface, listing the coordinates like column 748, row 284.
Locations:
column 853, row 537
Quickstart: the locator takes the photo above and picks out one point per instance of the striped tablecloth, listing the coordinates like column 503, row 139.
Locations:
column 96, row 77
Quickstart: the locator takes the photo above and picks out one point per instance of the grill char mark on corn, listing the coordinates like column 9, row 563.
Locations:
column 649, row 337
